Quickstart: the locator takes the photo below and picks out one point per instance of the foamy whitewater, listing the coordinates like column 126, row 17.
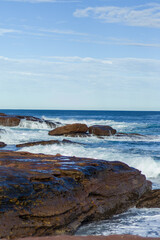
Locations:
column 141, row 152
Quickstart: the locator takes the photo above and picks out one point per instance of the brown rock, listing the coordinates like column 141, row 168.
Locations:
column 12, row 121
column 150, row 199
column 42, row 195
column 112, row 237
column 120, row 134
column 102, row 130
column 3, row 114
column 50, row 142
column 69, row 129
column 2, row 144
column 9, row 121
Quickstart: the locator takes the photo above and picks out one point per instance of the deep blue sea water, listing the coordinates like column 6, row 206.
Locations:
column 141, row 152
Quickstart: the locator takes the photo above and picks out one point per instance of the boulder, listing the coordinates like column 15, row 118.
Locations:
column 102, row 130
column 150, row 199
column 42, row 195
column 50, row 142
column 69, row 129
column 9, row 121
column 2, row 144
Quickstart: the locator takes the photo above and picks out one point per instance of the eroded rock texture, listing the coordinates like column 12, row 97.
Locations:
column 43, row 195
column 150, row 200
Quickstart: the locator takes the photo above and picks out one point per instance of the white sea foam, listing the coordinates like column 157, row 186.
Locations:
column 120, row 126
column 142, row 222
column 33, row 125
column 146, row 164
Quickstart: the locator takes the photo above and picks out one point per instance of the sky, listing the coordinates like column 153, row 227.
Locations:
column 80, row 54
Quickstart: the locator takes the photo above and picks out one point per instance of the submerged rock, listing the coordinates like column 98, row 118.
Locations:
column 120, row 134
column 42, row 195
column 150, row 200
column 102, row 130
column 69, row 129
column 50, row 142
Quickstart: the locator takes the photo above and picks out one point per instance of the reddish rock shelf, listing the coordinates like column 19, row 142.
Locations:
column 112, row 237
column 43, row 195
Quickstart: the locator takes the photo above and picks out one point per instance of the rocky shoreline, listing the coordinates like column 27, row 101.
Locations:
column 46, row 195
column 42, row 195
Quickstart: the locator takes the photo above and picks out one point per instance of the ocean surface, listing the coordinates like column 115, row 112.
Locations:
column 141, row 152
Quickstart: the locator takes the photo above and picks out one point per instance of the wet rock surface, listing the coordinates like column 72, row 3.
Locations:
column 14, row 120
column 50, row 142
column 102, row 130
column 42, row 195
column 75, row 128
column 120, row 134
column 150, row 200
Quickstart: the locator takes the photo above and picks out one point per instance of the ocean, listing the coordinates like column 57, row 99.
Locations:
column 139, row 151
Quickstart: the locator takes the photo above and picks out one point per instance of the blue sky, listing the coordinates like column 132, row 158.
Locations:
column 80, row 54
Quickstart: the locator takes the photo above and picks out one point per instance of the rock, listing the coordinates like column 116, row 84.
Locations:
column 9, row 121
column 14, row 120
column 102, row 130
column 77, row 135
column 69, row 129
column 3, row 114
column 111, row 237
column 150, row 199
column 42, row 195
column 2, row 144
column 50, row 142
column 120, row 134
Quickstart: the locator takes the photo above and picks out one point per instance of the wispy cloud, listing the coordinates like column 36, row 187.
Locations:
column 4, row 31
column 65, row 32
column 142, row 15
column 113, row 80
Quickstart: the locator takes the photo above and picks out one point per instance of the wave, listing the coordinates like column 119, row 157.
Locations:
column 26, row 124
column 146, row 164
column 141, row 222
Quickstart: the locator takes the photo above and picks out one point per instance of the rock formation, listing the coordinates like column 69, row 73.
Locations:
column 76, row 128
column 14, row 120
column 42, row 195
column 150, row 200
column 102, row 130
column 50, row 142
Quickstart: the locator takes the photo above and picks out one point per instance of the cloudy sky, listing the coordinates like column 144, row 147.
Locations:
column 80, row 54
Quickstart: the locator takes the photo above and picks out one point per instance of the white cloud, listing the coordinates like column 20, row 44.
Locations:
column 65, row 32
column 80, row 83
column 4, row 31
column 143, row 15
